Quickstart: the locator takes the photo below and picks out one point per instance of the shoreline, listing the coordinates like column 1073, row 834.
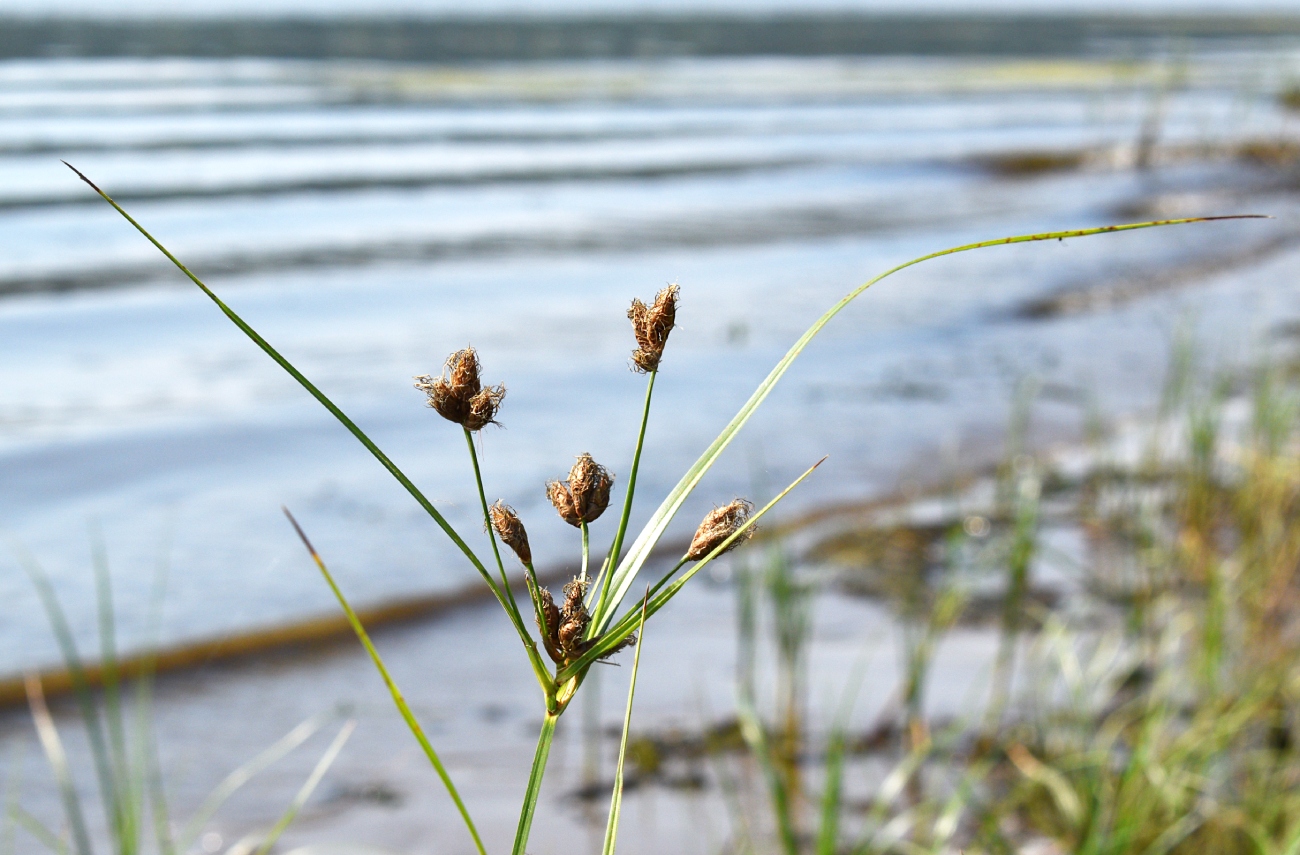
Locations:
column 460, row 38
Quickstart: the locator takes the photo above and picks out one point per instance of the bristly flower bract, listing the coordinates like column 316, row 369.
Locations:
column 651, row 325
column 585, row 495
column 458, row 395
column 720, row 524
column 511, row 530
column 565, row 626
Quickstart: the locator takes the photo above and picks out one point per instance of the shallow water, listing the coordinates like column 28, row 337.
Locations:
column 371, row 219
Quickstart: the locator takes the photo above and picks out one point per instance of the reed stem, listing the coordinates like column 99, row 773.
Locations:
column 508, row 602
column 544, row 740
column 615, row 551
column 586, row 549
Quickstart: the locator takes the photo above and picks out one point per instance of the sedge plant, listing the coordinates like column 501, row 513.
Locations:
column 591, row 624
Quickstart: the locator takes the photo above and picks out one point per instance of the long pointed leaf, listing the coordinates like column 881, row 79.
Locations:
column 828, row 836
column 600, row 593
column 37, row 829
column 654, row 529
column 117, row 801
column 309, row 786
column 242, row 775
column 81, row 685
column 58, row 760
column 402, row 706
column 534, row 788
column 306, row 384
column 616, row 800
column 755, row 736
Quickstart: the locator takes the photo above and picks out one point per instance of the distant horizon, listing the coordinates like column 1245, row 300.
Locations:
column 103, row 9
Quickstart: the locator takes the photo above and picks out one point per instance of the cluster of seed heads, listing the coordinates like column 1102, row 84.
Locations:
column 459, row 396
column 651, row 325
column 564, row 627
column 585, row 495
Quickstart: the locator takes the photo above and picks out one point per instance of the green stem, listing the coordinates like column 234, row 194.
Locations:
column 586, row 548
column 627, row 624
column 544, row 740
column 511, row 607
column 398, row 699
column 667, row 576
column 616, row 800
column 615, row 551
column 533, row 588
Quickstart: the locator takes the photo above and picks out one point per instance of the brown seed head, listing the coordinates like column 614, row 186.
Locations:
column 573, row 618
column 483, row 408
column 585, row 495
column 718, row 525
column 511, row 530
column 651, row 325
column 462, row 372
column 566, row 625
column 590, row 483
column 551, row 631
column 562, row 499
column 458, row 395
column 574, row 591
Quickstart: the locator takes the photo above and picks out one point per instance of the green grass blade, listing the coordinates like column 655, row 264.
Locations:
column 242, row 775
column 402, row 706
column 508, row 601
column 616, row 800
column 58, row 760
column 119, row 802
column 13, row 786
column 81, row 685
column 627, row 623
column 534, row 788
column 487, row 521
column 832, row 794
column 837, row 748
column 616, row 550
column 755, row 736
column 37, row 829
column 654, row 529
column 153, row 781
column 306, row 384
column 145, row 779
column 586, row 549
column 889, row 790
column 309, row 786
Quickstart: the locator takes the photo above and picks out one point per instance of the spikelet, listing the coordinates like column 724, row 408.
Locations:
column 511, row 530
column 562, row 636
column 651, row 326
column 585, row 495
column 458, row 395
column 718, row 525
